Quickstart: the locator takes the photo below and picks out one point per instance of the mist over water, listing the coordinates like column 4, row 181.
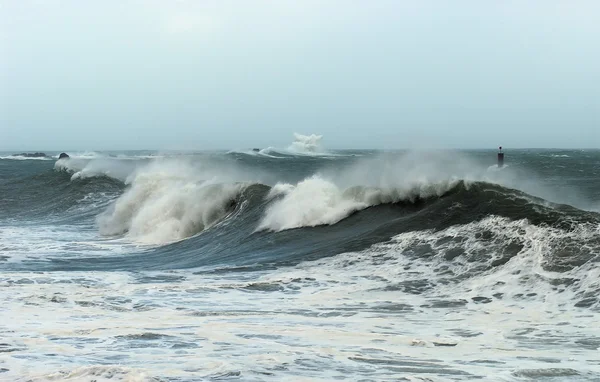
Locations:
column 300, row 263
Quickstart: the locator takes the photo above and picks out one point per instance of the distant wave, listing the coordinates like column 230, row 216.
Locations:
column 306, row 144
column 82, row 168
column 257, row 153
column 20, row 157
column 303, row 145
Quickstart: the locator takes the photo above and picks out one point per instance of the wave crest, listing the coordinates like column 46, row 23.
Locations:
column 160, row 208
column 89, row 168
column 317, row 201
column 306, row 144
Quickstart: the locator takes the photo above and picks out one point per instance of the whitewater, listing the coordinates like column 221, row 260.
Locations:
column 300, row 263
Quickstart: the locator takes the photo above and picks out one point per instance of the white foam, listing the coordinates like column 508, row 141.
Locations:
column 87, row 168
column 306, row 144
column 171, row 200
column 40, row 242
column 20, row 157
column 303, row 145
column 93, row 374
column 260, row 153
column 329, row 197
column 312, row 202
column 87, row 155
column 317, row 201
column 327, row 318
column 333, row 194
column 167, row 199
column 479, row 244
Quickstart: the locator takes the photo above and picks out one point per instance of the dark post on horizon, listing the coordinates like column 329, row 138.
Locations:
column 500, row 157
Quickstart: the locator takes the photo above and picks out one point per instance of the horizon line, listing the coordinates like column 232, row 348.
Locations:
column 504, row 148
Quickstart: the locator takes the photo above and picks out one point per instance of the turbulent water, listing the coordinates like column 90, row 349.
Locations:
column 300, row 264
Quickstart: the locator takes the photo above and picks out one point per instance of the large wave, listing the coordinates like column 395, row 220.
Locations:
column 231, row 213
column 318, row 201
column 172, row 199
column 167, row 202
column 166, row 199
column 335, row 193
column 332, row 195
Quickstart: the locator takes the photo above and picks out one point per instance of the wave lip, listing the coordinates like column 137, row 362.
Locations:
column 88, row 168
column 316, row 201
column 311, row 202
column 167, row 202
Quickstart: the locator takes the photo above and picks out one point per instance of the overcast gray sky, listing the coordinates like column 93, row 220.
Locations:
column 218, row 74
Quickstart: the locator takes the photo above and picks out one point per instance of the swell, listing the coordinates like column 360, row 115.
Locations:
column 54, row 197
column 234, row 241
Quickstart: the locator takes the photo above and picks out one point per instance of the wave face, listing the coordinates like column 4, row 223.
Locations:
column 339, row 247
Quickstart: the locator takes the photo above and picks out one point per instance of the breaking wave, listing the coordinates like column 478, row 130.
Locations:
column 172, row 199
column 306, row 144
column 302, row 146
column 159, row 207
column 317, row 201
column 184, row 204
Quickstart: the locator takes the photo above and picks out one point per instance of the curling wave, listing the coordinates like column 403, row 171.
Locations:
column 317, row 201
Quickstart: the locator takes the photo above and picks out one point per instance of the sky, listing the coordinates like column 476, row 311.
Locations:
column 224, row 74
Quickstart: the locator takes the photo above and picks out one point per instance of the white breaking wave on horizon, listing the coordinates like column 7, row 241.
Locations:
column 302, row 145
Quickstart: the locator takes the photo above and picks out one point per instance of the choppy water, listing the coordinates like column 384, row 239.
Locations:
column 300, row 265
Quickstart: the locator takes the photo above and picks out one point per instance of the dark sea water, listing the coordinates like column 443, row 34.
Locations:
column 300, row 265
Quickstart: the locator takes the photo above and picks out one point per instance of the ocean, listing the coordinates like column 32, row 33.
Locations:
column 300, row 264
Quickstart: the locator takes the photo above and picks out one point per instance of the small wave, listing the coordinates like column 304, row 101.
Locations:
column 256, row 153
column 21, row 157
column 286, row 153
column 88, row 168
column 87, row 155
column 495, row 167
